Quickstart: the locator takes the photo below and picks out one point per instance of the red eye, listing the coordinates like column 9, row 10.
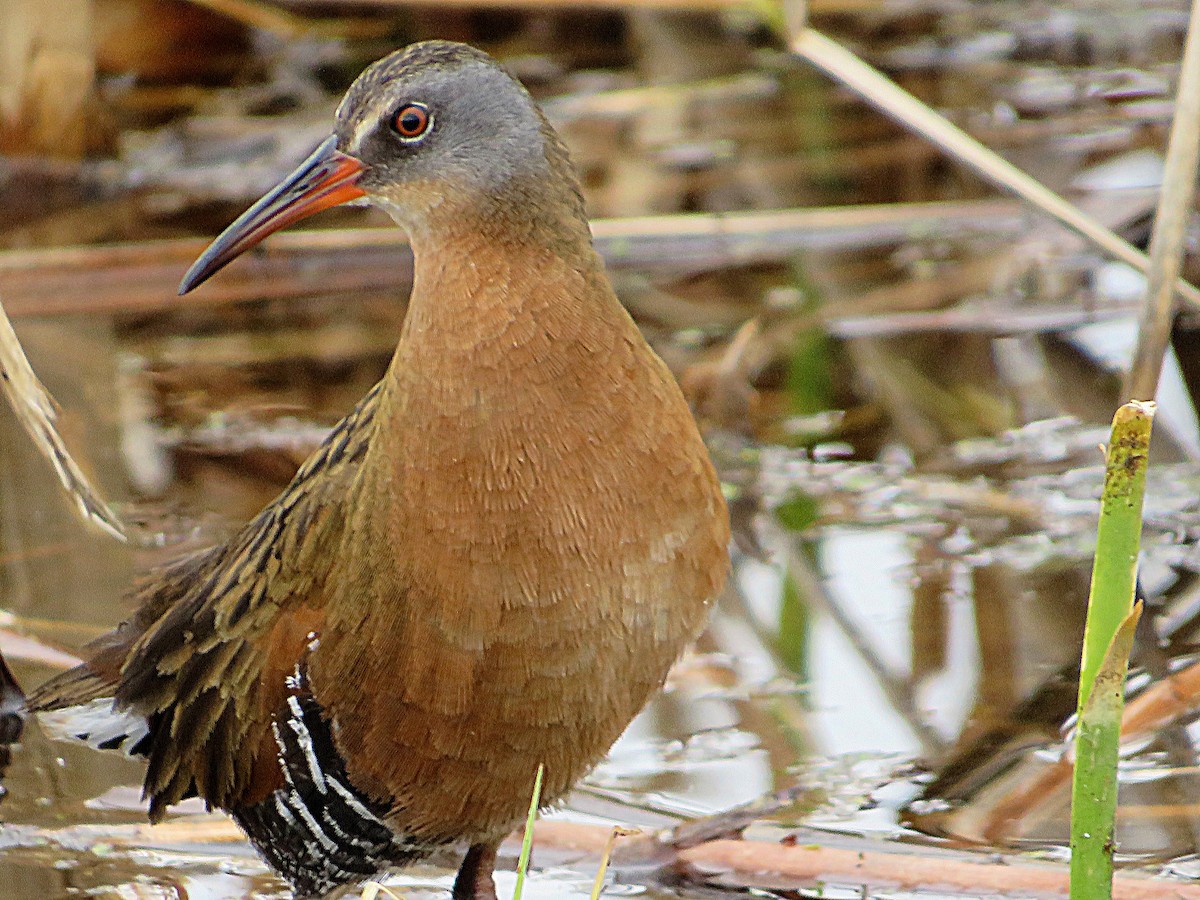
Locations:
column 411, row 121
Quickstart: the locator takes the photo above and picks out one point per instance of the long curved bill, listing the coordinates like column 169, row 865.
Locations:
column 328, row 177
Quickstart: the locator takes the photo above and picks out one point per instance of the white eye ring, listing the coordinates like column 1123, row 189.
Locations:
column 412, row 122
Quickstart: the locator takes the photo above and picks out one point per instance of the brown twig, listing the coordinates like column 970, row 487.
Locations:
column 762, row 864
column 757, row 863
column 144, row 277
column 748, row 863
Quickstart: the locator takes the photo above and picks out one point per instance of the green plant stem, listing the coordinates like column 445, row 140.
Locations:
column 527, row 840
column 1118, row 536
column 1108, row 636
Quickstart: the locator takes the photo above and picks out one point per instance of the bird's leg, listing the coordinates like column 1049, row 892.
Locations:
column 474, row 881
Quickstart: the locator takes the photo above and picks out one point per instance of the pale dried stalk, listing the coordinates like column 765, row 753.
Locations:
column 36, row 411
column 895, row 102
column 278, row 22
column 1175, row 204
column 47, row 69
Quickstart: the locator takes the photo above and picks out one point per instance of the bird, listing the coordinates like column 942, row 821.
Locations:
column 487, row 567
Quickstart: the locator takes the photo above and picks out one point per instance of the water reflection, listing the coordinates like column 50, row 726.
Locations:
column 906, row 653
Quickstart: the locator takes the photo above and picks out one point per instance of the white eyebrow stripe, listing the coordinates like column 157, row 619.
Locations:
column 370, row 117
column 360, row 133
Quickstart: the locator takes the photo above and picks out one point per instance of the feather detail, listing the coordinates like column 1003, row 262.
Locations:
column 99, row 724
column 203, row 660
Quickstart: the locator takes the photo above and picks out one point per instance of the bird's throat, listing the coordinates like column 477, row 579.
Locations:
column 507, row 316
column 515, row 363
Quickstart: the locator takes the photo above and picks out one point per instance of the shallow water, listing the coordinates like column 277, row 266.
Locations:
column 885, row 675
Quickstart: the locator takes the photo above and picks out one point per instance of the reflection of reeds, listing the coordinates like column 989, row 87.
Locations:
column 898, row 688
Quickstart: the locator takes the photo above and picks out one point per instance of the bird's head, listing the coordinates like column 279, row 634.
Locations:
column 433, row 132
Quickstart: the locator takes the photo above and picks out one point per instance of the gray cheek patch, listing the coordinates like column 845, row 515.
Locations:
column 486, row 130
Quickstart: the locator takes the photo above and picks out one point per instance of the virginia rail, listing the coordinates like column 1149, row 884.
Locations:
column 488, row 565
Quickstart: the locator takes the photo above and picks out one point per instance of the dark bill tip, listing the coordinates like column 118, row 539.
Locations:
column 328, row 177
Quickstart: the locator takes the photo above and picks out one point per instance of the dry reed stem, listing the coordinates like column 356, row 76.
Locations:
column 681, row 5
column 14, row 645
column 751, row 863
column 289, row 26
column 1176, row 202
column 37, row 412
column 47, row 71
column 995, row 319
column 820, row 7
column 143, row 277
column 626, row 103
column 271, row 19
column 754, row 862
column 895, row 102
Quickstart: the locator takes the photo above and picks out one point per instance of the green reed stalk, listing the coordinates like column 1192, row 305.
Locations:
column 1107, row 639
column 527, row 840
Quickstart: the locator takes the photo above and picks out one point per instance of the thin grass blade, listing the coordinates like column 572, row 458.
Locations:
column 527, row 840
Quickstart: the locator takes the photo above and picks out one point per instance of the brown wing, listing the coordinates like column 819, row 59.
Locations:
column 207, row 653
